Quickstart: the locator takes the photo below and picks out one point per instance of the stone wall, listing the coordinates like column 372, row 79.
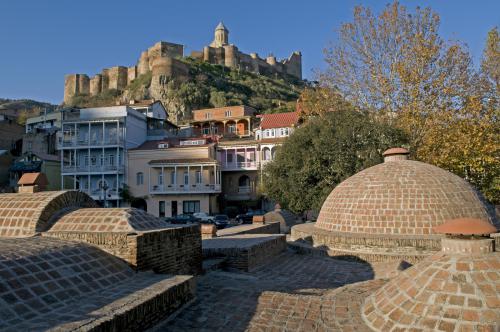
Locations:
column 245, row 252
column 173, row 250
column 267, row 228
column 75, row 84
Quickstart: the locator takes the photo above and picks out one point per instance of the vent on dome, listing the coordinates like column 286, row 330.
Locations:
column 395, row 154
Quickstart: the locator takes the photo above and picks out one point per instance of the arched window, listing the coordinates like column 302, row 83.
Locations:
column 266, row 154
column 244, row 184
column 140, row 178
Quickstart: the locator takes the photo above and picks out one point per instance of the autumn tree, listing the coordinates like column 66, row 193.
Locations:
column 322, row 153
column 396, row 66
column 318, row 101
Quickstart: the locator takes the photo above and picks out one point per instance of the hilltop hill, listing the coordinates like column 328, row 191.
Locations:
column 24, row 108
column 208, row 85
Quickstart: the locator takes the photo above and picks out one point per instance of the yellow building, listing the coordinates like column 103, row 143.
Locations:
column 174, row 176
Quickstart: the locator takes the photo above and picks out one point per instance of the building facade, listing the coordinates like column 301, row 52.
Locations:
column 224, row 122
column 94, row 144
column 175, row 176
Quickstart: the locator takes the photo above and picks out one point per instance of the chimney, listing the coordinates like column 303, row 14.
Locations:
column 396, row 154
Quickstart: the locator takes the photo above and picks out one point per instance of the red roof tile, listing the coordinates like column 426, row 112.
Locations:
column 279, row 120
column 32, row 179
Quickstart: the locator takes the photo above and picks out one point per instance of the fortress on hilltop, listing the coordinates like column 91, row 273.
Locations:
column 164, row 60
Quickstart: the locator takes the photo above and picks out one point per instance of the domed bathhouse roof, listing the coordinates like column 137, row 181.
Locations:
column 25, row 214
column 108, row 220
column 457, row 289
column 388, row 211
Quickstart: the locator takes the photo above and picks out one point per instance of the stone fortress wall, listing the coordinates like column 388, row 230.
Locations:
column 163, row 60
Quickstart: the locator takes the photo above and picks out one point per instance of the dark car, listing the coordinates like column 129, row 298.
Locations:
column 247, row 218
column 183, row 219
column 221, row 221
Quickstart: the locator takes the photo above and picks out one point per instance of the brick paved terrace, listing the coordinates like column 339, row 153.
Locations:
column 292, row 292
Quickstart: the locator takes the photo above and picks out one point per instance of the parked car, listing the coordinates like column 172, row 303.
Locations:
column 183, row 219
column 204, row 217
column 247, row 218
column 221, row 221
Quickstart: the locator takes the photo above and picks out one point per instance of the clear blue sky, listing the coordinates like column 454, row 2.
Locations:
column 42, row 40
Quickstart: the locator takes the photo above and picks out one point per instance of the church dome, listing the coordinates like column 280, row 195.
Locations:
column 399, row 197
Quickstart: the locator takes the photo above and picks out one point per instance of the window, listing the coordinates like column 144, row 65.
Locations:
column 160, row 179
column 140, row 178
column 231, row 128
column 101, row 159
column 111, row 159
column 227, row 113
column 198, row 177
column 86, row 160
column 93, row 160
column 205, row 131
column 86, row 185
column 186, row 178
column 191, row 206
column 172, row 178
column 208, row 115
column 161, row 209
column 229, row 158
column 102, row 184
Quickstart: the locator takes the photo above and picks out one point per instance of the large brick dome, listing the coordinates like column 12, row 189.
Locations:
column 399, row 197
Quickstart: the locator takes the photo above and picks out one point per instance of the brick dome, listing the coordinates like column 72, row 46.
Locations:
column 449, row 291
column 24, row 214
column 399, row 197
column 108, row 220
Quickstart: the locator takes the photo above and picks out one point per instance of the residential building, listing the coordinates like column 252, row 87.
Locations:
column 44, row 121
column 227, row 122
column 239, row 159
column 272, row 131
column 93, row 149
column 173, row 176
column 30, row 162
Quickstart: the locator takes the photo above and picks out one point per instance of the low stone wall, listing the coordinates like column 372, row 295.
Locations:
column 366, row 247
column 245, row 252
column 139, row 310
column 175, row 250
column 260, row 228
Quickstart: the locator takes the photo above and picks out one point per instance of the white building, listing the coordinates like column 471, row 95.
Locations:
column 94, row 142
column 272, row 131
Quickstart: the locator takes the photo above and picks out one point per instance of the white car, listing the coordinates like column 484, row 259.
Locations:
column 204, row 217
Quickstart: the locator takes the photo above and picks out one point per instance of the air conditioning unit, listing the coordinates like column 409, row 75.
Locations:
column 162, row 145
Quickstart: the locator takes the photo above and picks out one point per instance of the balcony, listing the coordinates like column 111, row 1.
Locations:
column 240, row 166
column 185, row 189
column 92, row 169
column 110, row 141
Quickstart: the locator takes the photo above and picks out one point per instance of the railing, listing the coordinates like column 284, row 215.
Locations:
column 92, row 169
column 92, row 142
column 238, row 133
column 248, row 165
column 180, row 188
column 244, row 190
column 98, row 193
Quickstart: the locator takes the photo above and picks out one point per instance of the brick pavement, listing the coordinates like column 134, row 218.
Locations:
column 291, row 293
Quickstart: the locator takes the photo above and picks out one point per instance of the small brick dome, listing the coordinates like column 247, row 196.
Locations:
column 108, row 220
column 399, row 197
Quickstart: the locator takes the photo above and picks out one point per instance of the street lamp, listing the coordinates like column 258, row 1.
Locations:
column 104, row 188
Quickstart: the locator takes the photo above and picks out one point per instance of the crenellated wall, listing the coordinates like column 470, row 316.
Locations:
column 166, row 57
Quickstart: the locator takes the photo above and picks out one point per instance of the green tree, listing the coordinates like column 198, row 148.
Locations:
column 324, row 152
